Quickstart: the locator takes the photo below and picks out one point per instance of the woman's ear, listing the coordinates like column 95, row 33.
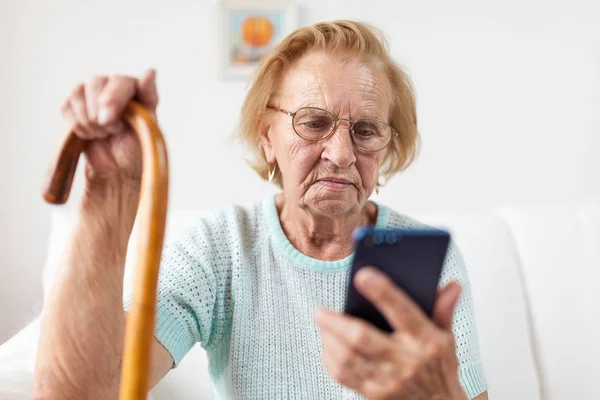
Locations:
column 267, row 145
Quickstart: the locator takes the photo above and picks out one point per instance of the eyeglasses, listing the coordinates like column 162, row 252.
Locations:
column 315, row 124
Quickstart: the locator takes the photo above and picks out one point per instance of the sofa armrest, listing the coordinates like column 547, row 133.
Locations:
column 19, row 351
column 16, row 384
column 17, row 361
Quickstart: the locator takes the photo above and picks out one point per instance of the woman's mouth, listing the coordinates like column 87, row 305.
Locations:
column 336, row 183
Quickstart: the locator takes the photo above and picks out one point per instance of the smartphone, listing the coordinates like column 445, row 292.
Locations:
column 412, row 258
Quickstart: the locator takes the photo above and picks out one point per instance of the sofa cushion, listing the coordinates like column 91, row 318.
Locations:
column 559, row 248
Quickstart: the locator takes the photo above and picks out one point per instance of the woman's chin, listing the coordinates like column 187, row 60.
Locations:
column 333, row 205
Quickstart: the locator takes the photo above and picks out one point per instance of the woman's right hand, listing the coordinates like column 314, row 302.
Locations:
column 88, row 290
column 95, row 111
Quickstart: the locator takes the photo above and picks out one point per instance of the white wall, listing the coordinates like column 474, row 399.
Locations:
column 508, row 96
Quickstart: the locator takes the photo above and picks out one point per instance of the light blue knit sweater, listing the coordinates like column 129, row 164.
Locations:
column 235, row 284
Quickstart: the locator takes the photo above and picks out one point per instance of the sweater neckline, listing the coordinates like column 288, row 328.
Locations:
column 282, row 242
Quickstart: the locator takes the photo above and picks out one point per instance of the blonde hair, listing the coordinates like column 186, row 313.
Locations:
column 347, row 38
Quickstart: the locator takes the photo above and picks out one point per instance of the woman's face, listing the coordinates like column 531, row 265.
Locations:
column 330, row 177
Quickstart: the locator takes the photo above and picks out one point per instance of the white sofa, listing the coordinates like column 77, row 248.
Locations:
column 535, row 278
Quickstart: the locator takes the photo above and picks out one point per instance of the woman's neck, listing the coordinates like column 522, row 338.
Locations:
column 319, row 236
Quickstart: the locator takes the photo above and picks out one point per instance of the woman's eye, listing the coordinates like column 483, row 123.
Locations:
column 365, row 133
column 314, row 124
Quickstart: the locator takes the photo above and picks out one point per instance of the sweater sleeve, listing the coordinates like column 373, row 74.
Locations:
column 463, row 325
column 190, row 292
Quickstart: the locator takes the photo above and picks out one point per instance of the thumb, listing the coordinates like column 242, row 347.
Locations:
column 146, row 90
column 446, row 300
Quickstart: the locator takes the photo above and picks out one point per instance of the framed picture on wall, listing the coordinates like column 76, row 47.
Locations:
column 251, row 28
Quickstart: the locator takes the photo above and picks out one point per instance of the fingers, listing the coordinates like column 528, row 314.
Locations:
column 78, row 110
column 397, row 308
column 92, row 90
column 115, row 95
column 69, row 116
column 146, row 90
column 367, row 366
column 343, row 359
column 443, row 309
column 356, row 334
column 343, row 364
column 95, row 110
column 119, row 91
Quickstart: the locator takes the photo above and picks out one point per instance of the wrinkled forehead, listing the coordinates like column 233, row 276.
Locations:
column 348, row 88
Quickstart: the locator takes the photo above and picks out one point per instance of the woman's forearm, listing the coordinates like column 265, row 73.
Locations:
column 83, row 321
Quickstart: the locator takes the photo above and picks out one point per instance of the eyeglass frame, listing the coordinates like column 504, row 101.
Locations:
column 334, row 127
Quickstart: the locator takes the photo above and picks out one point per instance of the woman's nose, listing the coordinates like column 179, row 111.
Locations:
column 339, row 148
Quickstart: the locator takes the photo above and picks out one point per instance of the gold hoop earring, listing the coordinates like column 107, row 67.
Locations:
column 378, row 185
column 272, row 172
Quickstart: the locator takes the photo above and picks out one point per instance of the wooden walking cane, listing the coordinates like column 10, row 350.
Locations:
column 153, row 211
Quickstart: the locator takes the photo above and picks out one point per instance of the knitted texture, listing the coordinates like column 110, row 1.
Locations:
column 235, row 284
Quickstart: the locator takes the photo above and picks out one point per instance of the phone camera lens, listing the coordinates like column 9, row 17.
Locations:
column 390, row 238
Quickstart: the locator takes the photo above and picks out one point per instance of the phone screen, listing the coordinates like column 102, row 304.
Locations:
column 413, row 259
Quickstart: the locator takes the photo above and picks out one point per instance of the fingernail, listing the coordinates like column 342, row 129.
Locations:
column 105, row 114
column 370, row 276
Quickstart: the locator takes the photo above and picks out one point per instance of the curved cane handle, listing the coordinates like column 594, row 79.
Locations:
column 153, row 211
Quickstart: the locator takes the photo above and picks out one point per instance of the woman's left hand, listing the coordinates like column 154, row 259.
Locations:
column 417, row 361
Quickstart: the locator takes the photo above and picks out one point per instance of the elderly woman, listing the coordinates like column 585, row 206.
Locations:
column 262, row 288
